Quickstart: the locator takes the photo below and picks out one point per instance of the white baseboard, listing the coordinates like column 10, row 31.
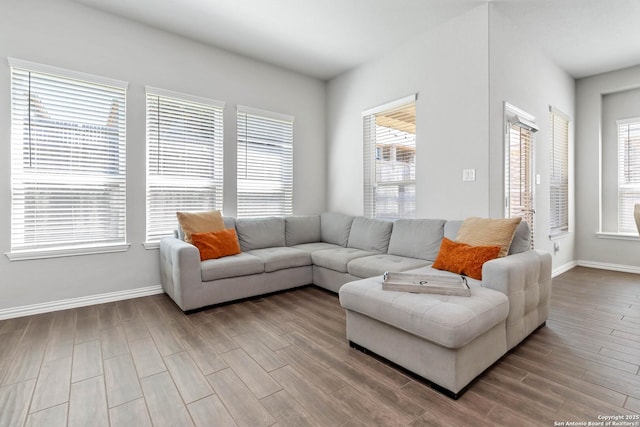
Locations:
column 45, row 307
column 563, row 268
column 608, row 266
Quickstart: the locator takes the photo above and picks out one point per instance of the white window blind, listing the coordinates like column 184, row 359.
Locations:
column 559, row 172
column 519, row 198
column 184, row 158
column 265, row 163
column 68, row 159
column 628, row 173
column 390, row 160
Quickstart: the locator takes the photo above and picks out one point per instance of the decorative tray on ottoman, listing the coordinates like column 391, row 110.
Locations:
column 426, row 284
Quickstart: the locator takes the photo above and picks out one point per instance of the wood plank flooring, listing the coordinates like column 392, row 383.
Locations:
column 283, row 360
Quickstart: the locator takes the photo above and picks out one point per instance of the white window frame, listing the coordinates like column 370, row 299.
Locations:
column 558, row 172
column 264, row 182
column 373, row 185
column 78, row 233
column 626, row 223
column 185, row 139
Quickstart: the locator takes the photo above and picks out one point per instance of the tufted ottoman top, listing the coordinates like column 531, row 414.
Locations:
column 450, row 321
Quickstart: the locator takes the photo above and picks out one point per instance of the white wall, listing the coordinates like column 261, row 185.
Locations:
column 463, row 71
column 522, row 76
column 69, row 35
column 592, row 249
column 448, row 68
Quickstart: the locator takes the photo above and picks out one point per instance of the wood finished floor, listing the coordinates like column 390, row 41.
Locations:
column 283, row 360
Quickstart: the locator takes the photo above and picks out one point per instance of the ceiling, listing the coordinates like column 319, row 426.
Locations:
column 324, row 38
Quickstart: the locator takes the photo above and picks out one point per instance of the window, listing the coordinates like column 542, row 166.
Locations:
column 265, row 163
column 519, row 198
column 390, row 160
column 559, row 172
column 67, row 162
column 184, row 158
column 628, row 173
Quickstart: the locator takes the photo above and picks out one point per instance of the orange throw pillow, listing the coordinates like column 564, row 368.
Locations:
column 216, row 244
column 464, row 259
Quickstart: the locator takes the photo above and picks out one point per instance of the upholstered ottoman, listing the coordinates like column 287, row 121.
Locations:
column 448, row 340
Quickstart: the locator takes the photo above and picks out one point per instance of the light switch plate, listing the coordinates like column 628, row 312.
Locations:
column 468, row 174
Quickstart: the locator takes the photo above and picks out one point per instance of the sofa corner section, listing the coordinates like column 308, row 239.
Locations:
column 526, row 279
column 180, row 272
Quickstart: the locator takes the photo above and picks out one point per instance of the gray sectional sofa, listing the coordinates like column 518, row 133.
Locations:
column 448, row 340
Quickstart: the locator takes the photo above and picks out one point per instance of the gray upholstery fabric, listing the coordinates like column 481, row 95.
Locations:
column 234, row 288
column 330, row 279
column 451, row 229
column 260, row 233
column 376, row 265
column 180, row 272
column 337, row 259
column 281, row 258
column 450, row 368
column 450, row 321
column 229, row 222
column 526, row 279
column 230, row 266
column 416, row 238
column 301, row 229
column 370, row 234
column 335, row 227
column 317, row 246
column 521, row 240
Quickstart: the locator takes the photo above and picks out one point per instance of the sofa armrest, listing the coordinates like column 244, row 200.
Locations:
column 526, row 279
column 180, row 272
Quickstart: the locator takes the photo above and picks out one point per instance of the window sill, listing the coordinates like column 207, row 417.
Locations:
column 57, row 253
column 617, row 236
column 151, row 245
column 558, row 236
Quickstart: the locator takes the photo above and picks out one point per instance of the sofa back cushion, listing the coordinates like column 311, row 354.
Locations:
column 259, row 233
column 229, row 222
column 417, row 238
column 370, row 234
column 335, row 227
column 301, row 229
column 451, row 229
column 521, row 240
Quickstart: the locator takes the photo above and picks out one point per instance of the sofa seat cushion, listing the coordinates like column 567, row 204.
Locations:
column 316, row 246
column 282, row 257
column 242, row 264
column 337, row 259
column 450, row 321
column 376, row 265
